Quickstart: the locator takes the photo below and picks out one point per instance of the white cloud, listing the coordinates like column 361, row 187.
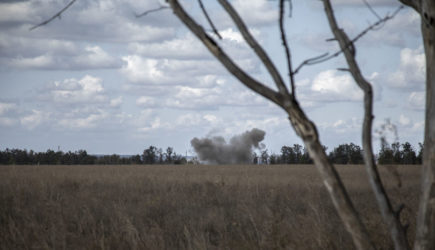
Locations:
column 34, row 119
column 87, row 90
column 146, row 101
column 6, row 107
column 89, row 121
column 256, row 12
column 141, row 70
column 101, row 20
column 7, row 122
column 91, row 57
column 330, row 86
column 95, row 58
column 16, row 12
column 116, row 102
column 184, row 47
column 154, row 125
column 417, row 100
column 404, row 120
column 411, row 72
column 361, row 3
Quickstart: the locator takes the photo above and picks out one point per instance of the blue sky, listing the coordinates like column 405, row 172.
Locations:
column 102, row 80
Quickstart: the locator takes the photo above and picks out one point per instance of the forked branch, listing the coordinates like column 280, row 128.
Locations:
column 255, row 46
column 397, row 231
column 349, row 44
column 215, row 31
column 300, row 122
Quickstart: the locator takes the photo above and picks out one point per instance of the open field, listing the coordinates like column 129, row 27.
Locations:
column 189, row 207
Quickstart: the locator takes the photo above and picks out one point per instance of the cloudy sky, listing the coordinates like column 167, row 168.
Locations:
column 103, row 80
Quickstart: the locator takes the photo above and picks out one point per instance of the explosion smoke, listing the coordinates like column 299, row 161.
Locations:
column 239, row 150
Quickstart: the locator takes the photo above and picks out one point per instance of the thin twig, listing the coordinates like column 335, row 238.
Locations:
column 53, row 17
column 286, row 48
column 310, row 61
column 349, row 44
column 150, row 11
column 371, row 9
column 209, row 19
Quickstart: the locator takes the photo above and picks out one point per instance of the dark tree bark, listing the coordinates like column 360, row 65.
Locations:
column 425, row 238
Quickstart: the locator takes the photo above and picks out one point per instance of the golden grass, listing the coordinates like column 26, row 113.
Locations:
column 189, row 207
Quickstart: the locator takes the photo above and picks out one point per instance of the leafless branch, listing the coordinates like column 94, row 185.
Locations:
column 415, row 4
column 286, row 48
column 58, row 14
column 394, row 225
column 350, row 43
column 220, row 55
column 310, row 61
column 152, row 10
column 371, row 9
column 209, row 20
column 255, row 46
column 300, row 122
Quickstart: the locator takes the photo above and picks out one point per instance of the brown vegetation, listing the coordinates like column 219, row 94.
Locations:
column 190, row 207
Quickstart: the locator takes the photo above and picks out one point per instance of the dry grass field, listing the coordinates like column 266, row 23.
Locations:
column 189, row 207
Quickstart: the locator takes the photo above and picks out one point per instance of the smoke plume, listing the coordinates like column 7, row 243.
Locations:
column 215, row 150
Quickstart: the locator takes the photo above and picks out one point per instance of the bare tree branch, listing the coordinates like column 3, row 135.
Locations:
column 58, row 14
column 209, row 20
column 299, row 121
column 214, row 48
column 425, row 237
column 310, row 61
column 393, row 223
column 415, row 4
column 255, row 46
column 286, row 48
column 349, row 45
column 152, row 10
column 372, row 10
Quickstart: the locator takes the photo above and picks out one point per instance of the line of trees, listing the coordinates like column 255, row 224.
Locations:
column 351, row 153
column 151, row 155
column 395, row 153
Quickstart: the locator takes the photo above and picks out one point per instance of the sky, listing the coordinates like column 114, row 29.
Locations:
column 102, row 80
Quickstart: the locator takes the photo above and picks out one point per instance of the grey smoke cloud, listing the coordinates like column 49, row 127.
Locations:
column 215, row 150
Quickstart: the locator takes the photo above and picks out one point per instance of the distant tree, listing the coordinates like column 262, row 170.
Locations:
column 254, row 158
column 273, row 159
column 135, row 159
column 386, row 154
column 347, row 154
column 419, row 159
column 408, row 154
column 264, row 156
column 397, row 153
column 288, row 155
column 149, row 155
column 160, row 156
column 169, row 152
column 297, row 149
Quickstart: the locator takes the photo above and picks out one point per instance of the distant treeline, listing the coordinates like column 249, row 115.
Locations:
column 395, row 153
column 152, row 155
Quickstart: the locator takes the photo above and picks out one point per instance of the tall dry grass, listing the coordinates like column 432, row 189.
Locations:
column 188, row 207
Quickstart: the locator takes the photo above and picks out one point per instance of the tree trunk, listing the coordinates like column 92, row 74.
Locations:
column 425, row 239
